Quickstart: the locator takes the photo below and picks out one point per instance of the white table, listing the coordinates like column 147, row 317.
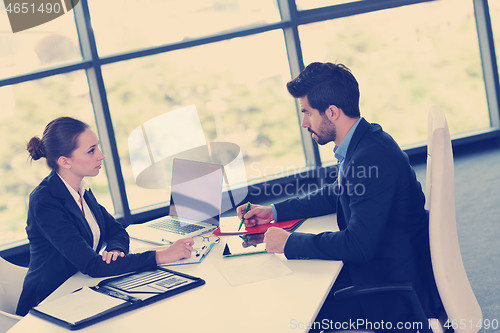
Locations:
column 281, row 304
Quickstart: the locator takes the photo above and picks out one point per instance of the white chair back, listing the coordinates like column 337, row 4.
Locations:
column 7, row 320
column 11, row 285
column 460, row 304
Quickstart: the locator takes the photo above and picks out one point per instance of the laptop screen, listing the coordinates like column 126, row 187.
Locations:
column 196, row 191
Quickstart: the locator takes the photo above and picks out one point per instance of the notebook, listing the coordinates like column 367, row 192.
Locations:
column 195, row 204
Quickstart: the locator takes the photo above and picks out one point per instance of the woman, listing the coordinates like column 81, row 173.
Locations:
column 66, row 226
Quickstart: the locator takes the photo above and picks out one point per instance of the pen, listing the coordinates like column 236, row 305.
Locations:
column 117, row 294
column 243, row 217
column 202, row 251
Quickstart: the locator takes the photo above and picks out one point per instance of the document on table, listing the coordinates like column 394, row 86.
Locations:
column 79, row 305
column 200, row 251
column 243, row 270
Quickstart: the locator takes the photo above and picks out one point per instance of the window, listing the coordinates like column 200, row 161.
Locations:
column 232, row 59
column 424, row 56
column 51, row 44
column 239, row 89
column 311, row 4
column 136, row 24
column 26, row 109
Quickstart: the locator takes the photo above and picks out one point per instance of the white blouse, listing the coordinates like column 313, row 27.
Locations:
column 89, row 216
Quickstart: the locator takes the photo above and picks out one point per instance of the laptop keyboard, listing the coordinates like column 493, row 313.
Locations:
column 174, row 226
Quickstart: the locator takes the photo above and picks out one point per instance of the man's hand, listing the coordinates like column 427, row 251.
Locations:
column 275, row 240
column 256, row 214
column 112, row 255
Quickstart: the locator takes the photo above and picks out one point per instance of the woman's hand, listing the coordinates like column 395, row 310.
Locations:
column 181, row 249
column 112, row 255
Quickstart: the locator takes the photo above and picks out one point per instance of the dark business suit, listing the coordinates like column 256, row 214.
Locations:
column 61, row 242
column 383, row 235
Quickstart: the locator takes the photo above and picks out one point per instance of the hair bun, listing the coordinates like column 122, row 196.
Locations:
column 36, row 148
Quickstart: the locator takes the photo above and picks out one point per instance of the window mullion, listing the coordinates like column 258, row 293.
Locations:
column 101, row 111
column 288, row 11
column 488, row 60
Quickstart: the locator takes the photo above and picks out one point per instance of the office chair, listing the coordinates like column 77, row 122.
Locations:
column 462, row 311
column 451, row 279
column 11, row 285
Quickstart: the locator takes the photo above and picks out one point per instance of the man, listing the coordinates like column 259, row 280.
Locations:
column 383, row 235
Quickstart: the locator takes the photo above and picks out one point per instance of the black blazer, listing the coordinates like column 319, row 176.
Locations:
column 383, row 235
column 61, row 242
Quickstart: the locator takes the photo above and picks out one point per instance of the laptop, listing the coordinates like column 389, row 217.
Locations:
column 195, row 204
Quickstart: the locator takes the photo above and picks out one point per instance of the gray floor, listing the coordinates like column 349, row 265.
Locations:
column 477, row 198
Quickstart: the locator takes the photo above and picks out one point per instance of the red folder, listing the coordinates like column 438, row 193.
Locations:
column 258, row 229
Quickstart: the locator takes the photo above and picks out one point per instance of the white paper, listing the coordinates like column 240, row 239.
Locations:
column 79, row 305
column 230, row 224
column 243, row 270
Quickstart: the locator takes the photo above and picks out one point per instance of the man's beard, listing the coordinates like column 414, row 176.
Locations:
column 326, row 133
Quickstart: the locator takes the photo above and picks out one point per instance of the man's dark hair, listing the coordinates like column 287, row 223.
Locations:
column 327, row 84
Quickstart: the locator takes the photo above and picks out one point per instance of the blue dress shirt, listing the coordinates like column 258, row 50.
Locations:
column 341, row 150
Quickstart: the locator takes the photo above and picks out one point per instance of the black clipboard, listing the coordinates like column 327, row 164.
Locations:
column 116, row 295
